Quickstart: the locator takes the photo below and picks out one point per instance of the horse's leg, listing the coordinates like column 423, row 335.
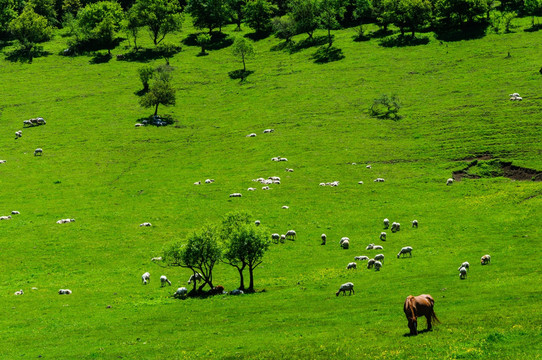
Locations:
column 428, row 317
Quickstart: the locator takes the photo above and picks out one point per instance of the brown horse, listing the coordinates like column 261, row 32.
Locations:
column 416, row 306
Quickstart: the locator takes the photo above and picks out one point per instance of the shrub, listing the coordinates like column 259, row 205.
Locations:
column 386, row 107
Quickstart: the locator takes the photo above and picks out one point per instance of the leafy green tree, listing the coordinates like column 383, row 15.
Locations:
column 160, row 91
column 383, row 12
column 245, row 245
column 411, row 14
column 243, row 48
column 146, row 73
column 45, row 8
column 533, row 8
column 258, row 15
column 305, row 14
column 160, row 17
column 132, row 23
column 458, row 12
column 236, row 11
column 7, row 13
column 284, row 27
column 30, row 28
column 200, row 254
column 362, row 10
column 209, row 14
column 386, row 107
column 203, row 40
column 99, row 22
column 167, row 51
column 330, row 13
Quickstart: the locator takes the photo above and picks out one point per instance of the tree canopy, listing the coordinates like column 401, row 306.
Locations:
column 30, row 28
column 160, row 17
column 209, row 14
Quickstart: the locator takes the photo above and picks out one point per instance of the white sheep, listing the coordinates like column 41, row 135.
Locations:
column 145, row 224
column 38, row 151
column 462, row 273
column 386, row 223
column 283, row 159
column 486, row 259
column 285, row 207
column 159, row 258
column 15, row 212
column 322, row 184
column 180, row 293
column 145, row 278
column 465, row 265
column 277, row 158
column 18, row 134
column 395, row 227
column 20, row 292
column 5, row 217
column 65, row 221
column 266, row 188
column 195, row 277
column 370, row 247
column 237, row 292
column 236, row 195
column 64, row 292
column 275, row 237
column 379, row 180
column 343, row 239
column 282, row 238
column 289, row 170
column 360, row 182
column 370, row 263
column 209, row 181
column 251, row 135
column 383, row 236
column 276, row 182
column 3, row 161
column 267, row 131
column 251, row 189
column 345, row 244
column 164, row 280
column 368, row 166
column 291, row 235
column 415, row 224
column 138, row 125
column 324, row 239
column 351, row 265
column 450, row 181
column 405, row 250
column 274, row 178
column 361, row 258
column 346, row 287
column 378, row 247
column 379, row 257
column 257, row 222
column 197, row 183
column 377, row 265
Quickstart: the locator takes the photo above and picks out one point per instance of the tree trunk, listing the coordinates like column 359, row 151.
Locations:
column 329, row 37
column 244, row 67
column 156, row 109
column 242, row 279
column 251, row 283
column 310, row 35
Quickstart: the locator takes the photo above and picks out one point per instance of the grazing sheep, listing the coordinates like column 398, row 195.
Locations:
column 267, row 131
column 516, row 97
column 164, row 280
column 324, row 239
column 383, row 236
column 462, row 273
column 379, row 257
column 237, row 292
column 197, row 183
column 38, row 151
column 3, row 161
column 291, row 235
column 377, row 265
column 180, row 293
column 266, row 188
column 27, row 122
column 415, row 224
column 386, row 223
column 236, row 195
column 405, row 250
column 282, row 238
column 378, row 180
column 275, row 237
column 343, row 239
column 361, row 258
column 209, row 181
column 18, row 134
column 394, row 227
column 370, row 263
column 346, row 287
column 5, row 217
column 283, row 159
column 360, row 182
column 368, row 166
column 145, row 224
column 449, row 181
column 277, row 158
column 195, row 277
column 20, row 292
column 251, row 135
column 138, row 125
column 378, row 247
column 274, row 178
column 159, row 258
column 289, row 170
column 322, row 184
column 370, row 247
column 251, row 189
column 465, row 265
column 65, row 221
column 351, row 265
column 145, row 278
column 15, row 212
column 64, row 292
column 345, row 244
column 257, row 222
column 486, row 259
column 285, row 207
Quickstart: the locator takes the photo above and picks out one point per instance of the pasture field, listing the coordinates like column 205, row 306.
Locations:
column 109, row 176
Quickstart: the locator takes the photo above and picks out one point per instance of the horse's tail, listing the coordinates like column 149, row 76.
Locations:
column 433, row 315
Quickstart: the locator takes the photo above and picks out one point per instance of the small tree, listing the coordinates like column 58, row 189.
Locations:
column 160, row 92
column 203, row 40
column 132, row 24
column 258, row 15
column 386, row 107
column 167, row 51
column 244, row 49
column 98, row 23
column 305, row 14
column 330, row 12
column 237, row 14
column 362, row 10
column 200, row 254
column 30, row 28
column 285, row 27
column 146, row 73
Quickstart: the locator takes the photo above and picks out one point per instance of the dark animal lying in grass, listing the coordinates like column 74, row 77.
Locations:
column 416, row 306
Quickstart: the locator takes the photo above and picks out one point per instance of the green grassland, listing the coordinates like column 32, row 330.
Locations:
column 97, row 168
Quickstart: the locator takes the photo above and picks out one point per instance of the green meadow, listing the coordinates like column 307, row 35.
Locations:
column 99, row 169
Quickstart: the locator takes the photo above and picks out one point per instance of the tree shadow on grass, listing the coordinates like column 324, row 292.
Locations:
column 143, row 55
column 308, row 43
column 285, row 45
column 361, row 38
column 240, row 74
column 257, row 36
column 380, row 33
column 419, row 332
column 99, row 58
column 533, row 28
column 218, row 41
column 465, row 32
column 26, row 56
column 401, row 40
column 327, row 54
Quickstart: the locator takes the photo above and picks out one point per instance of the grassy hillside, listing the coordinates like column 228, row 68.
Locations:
column 97, row 168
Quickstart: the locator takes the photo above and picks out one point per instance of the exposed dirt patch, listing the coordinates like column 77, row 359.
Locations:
column 486, row 156
column 480, row 167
